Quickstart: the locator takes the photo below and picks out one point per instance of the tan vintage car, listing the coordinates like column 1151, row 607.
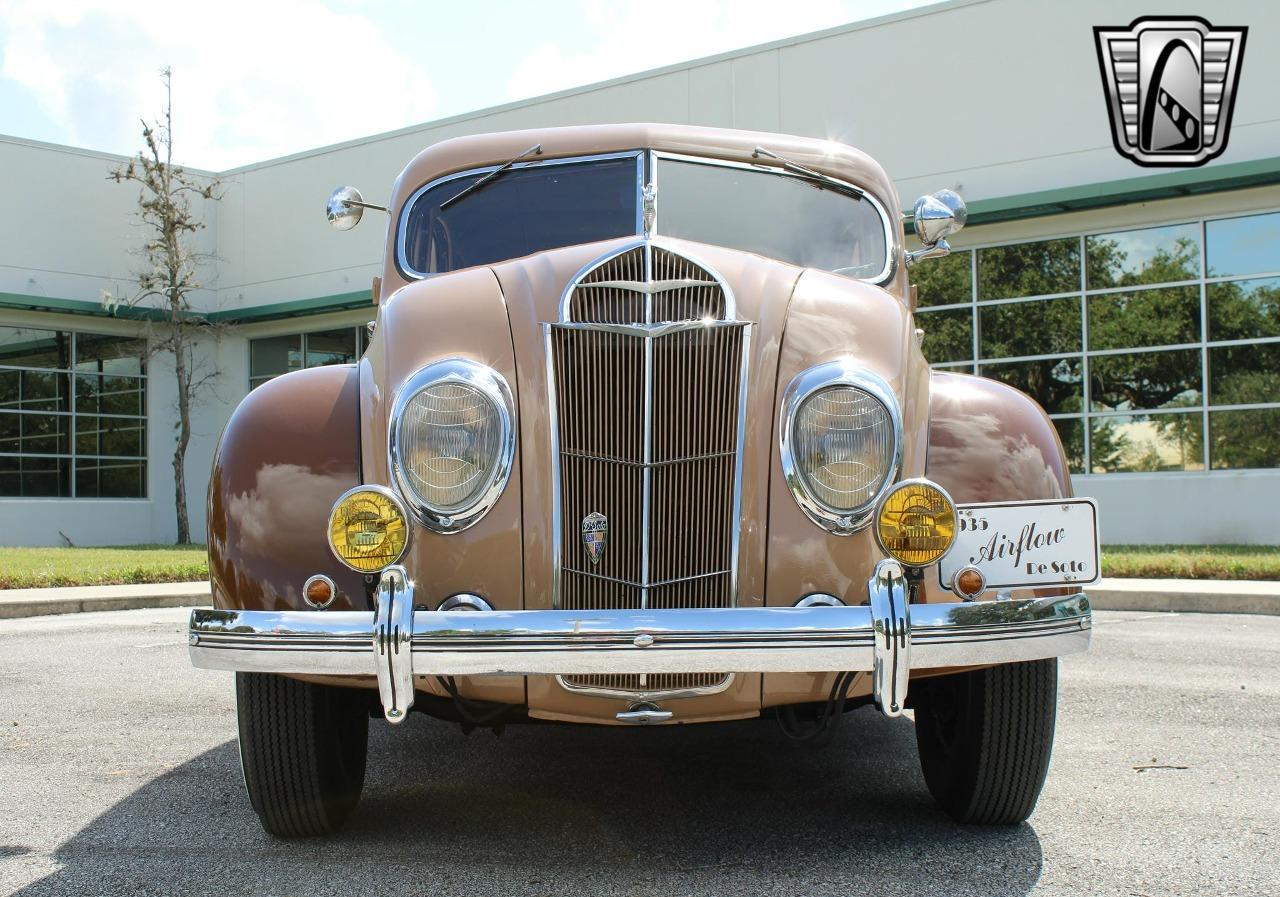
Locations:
column 643, row 435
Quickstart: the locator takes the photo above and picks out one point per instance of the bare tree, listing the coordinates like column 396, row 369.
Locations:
column 170, row 274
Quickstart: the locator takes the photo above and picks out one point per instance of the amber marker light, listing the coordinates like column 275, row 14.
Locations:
column 318, row 591
column 916, row 523
column 969, row 582
column 368, row 529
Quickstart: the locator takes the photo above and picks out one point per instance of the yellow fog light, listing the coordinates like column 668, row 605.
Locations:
column 916, row 523
column 368, row 529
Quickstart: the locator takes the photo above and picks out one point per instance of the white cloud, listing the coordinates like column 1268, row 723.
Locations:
column 251, row 80
column 633, row 37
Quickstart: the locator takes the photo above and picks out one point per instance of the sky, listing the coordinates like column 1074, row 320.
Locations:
column 257, row 80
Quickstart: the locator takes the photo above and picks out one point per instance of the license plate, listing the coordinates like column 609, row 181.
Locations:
column 1026, row 543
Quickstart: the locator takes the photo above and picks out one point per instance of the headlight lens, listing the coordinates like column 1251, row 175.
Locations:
column 844, row 445
column 916, row 523
column 453, row 442
column 368, row 529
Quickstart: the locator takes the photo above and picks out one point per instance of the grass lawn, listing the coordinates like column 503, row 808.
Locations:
column 30, row 568
column 25, row 568
column 1192, row 561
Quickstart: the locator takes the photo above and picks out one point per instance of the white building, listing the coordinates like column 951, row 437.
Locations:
column 1000, row 100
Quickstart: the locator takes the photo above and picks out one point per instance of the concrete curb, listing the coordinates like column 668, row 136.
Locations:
column 16, row 603
column 1182, row 595
column 1198, row 596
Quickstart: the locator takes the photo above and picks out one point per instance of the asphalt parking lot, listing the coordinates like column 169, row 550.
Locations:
column 119, row 775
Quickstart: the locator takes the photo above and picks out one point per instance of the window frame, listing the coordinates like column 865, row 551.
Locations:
column 1086, row 416
column 73, row 455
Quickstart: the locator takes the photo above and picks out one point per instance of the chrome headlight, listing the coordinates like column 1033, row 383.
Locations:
column 841, row 444
column 452, row 441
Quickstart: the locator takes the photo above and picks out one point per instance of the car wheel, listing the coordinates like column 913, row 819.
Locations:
column 303, row 750
column 985, row 737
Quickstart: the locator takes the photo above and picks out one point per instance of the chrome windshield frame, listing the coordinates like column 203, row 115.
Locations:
column 647, row 172
column 402, row 220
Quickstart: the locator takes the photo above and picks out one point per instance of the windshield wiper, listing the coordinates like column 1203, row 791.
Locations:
column 809, row 172
column 535, row 150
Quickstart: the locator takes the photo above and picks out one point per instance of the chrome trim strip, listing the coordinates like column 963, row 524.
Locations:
column 401, row 237
column 892, row 248
column 642, row 695
column 566, row 643
column 836, row 373
column 744, row 376
column 493, row 386
column 553, row 413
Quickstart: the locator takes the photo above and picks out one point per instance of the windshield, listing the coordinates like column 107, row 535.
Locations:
column 525, row 210
column 534, row 206
column 781, row 216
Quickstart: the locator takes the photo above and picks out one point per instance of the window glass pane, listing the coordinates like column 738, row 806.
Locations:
column 1145, row 380
column 1128, row 443
column 24, row 347
column 1071, row 432
column 1244, row 438
column 948, row 335
column 110, row 395
column 110, row 354
column 525, row 211
column 778, row 216
column 1144, row 318
column 1240, row 375
column 34, row 477
column 1029, row 269
column 1151, row 255
column 1249, row 245
column 1030, row 328
column 275, row 355
column 44, row 434
column 109, row 478
column 110, row 435
column 1057, row 384
column 331, row 347
column 944, row 281
column 1244, row 309
column 35, row 391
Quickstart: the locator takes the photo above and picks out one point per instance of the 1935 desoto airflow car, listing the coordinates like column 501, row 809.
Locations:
column 643, row 435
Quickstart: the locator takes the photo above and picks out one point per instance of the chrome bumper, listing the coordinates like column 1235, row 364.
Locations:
column 888, row 636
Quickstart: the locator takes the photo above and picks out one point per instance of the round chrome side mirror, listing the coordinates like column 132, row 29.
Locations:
column 939, row 216
column 344, row 208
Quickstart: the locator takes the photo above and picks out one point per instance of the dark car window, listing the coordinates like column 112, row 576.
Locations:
column 525, row 210
column 777, row 216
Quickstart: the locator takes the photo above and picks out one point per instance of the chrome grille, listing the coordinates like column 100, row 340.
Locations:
column 619, row 290
column 648, row 682
column 648, row 433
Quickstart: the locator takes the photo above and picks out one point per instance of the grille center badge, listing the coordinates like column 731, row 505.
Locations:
column 595, row 532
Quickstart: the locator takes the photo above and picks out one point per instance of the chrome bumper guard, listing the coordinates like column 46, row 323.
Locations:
column 888, row 636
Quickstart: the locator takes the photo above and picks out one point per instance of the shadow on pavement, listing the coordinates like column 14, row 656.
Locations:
column 724, row 809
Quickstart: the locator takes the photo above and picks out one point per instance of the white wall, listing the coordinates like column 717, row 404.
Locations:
column 992, row 97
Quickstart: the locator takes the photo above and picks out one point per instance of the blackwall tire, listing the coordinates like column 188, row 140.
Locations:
column 303, row 749
column 985, row 738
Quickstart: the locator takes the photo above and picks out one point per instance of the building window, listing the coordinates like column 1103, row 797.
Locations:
column 272, row 356
column 73, row 415
column 1151, row 349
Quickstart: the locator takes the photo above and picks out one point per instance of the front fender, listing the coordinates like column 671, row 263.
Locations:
column 290, row 449
column 990, row 442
